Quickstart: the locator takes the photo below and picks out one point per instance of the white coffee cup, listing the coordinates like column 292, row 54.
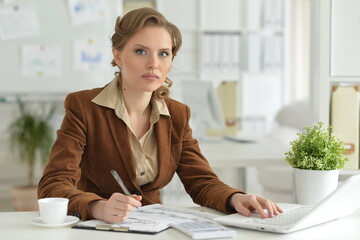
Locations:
column 53, row 210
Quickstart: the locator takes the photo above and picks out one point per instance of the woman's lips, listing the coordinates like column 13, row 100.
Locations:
column 150, row 76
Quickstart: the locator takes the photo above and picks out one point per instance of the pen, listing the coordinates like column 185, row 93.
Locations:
column 121, row 183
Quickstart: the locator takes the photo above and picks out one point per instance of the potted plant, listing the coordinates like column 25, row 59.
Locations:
column 316, row 156
column 31, row 137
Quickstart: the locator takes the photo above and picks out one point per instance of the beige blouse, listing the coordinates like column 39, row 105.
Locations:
column 144, row 149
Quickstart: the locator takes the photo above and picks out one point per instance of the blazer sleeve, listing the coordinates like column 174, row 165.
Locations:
column 199, row 180
column 63, row 171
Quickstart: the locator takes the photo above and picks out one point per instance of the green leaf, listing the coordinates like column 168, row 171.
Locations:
column 316, row 149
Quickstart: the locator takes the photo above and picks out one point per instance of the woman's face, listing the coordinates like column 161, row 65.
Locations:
column 145, row 59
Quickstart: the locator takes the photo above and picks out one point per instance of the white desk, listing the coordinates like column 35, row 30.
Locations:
column 235, row 155
column 15, row 225
column 225, row 153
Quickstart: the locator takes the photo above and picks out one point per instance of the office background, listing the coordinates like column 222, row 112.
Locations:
column 276, row 51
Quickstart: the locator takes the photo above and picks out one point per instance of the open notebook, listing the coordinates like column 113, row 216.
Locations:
column 343, row 201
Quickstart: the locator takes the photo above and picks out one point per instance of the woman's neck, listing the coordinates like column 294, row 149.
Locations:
column 138, row 107
column 137, row 103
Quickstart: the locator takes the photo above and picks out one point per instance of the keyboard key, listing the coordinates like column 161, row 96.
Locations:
column 289, row 217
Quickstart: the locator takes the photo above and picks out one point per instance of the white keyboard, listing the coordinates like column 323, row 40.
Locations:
column 204, row 229
column 200, row 226
column 289, row 217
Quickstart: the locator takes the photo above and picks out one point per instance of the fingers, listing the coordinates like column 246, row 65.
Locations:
column 269, row 206
column 137, row 197
column 245, row 203
column 117, row 216
column 259, row 204
column 278, row 208
column 119, row 206
column 130, row 201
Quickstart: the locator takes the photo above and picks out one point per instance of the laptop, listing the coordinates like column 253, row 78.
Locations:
column 345, row 199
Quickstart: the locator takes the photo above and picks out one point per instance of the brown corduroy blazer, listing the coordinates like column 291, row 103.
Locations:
column 92, row 140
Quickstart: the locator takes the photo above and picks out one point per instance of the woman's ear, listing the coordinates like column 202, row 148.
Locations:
column 117, row 56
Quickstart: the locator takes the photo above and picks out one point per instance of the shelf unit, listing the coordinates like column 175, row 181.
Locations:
column 331, row 69
column 335, row 56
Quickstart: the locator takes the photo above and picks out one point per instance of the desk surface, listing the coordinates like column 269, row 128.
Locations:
column 264, row 152
column 15, row 225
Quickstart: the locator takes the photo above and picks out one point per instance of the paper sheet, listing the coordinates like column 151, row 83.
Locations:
column 91, row 54
column 41, row 61
column 18, row 21
column 153, row 218
column 8, row 1
column 87, row 11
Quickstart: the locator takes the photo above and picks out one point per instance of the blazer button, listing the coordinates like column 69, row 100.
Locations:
column 136, row 192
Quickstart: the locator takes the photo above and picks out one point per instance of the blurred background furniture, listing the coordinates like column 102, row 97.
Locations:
column 276, row 181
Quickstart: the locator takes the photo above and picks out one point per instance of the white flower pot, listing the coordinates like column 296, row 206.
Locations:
column 311, row 186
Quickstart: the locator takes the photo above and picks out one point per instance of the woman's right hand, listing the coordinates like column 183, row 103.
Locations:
column 116, row 208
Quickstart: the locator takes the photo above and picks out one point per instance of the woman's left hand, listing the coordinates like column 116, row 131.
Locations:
column 244, row 204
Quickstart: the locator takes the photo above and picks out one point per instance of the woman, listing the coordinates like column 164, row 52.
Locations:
column 133, row 127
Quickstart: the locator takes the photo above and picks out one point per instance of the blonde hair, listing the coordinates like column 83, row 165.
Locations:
column 133, row 22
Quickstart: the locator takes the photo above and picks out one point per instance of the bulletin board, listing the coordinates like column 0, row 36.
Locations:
column 56, row 46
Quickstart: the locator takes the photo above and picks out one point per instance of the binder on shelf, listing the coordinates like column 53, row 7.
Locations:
column 272, row 54
column 255, row 53
column 345, row 120
column 206, row 54
column 221, row 53
column 227, row 98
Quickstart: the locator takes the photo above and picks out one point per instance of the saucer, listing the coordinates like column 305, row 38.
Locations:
column 68, row 221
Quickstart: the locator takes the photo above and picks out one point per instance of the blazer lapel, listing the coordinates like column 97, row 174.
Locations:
column 119, row 133
column 163, row 141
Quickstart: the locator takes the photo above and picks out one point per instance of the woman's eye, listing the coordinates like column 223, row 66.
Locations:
column 140, row 51
column 164, row 54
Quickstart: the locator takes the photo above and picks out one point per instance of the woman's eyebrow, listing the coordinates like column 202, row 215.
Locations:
column 147, row 48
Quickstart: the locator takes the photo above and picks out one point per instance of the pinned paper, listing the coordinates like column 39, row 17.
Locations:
column 41, row 61
column 8, row 1
column 86, row 11
column 18, row 21
column 91, row 54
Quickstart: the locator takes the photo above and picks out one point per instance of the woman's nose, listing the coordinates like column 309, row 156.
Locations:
column 153, row 62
